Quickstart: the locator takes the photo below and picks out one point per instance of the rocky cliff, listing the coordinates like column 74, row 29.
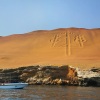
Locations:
column 52, row 75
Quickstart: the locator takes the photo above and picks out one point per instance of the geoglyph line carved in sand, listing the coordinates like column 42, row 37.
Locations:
column 55, row 40
column 68, row 44
column 80, row 39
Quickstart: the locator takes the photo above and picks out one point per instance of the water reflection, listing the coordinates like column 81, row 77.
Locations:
column 51, row 93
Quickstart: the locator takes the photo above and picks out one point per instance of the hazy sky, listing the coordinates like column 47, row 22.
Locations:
column 21, row 16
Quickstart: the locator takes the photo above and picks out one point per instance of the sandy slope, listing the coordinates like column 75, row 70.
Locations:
column 73, row 46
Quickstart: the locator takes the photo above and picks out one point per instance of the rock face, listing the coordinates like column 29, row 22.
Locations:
column 63, row 75
column 89, row 77
column 52, row 75
column 72, row 46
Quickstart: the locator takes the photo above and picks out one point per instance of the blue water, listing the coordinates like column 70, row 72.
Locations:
column 39, row 92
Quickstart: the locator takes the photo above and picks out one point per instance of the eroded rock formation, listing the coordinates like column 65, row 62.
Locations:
column 52, row 75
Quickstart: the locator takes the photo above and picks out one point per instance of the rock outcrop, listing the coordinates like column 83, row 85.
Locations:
column 52, row 75
column 89, row 77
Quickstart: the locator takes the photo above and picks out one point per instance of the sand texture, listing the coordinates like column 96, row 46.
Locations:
column 66, row 46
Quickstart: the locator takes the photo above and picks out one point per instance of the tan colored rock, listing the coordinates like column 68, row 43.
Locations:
column 59, row 82
column 46, row 80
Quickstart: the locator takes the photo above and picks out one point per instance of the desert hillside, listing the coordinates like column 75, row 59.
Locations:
column 71, row 46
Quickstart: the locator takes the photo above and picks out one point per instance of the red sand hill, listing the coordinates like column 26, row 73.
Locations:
column 73, row 46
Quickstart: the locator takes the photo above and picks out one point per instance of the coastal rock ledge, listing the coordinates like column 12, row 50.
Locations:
column 52, row 75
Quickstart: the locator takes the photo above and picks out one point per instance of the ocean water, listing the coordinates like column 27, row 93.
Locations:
column 39, row 92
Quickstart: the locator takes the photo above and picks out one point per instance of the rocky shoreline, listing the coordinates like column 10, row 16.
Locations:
column 52, row 75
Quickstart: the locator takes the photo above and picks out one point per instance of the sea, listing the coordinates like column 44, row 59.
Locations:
column 51, row 92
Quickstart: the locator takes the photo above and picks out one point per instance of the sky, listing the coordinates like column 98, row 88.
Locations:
column 22, row 16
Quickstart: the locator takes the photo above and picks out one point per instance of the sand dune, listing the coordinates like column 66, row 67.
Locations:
column 74, row 46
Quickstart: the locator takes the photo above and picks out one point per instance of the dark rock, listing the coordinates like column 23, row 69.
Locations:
column 51, row 75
